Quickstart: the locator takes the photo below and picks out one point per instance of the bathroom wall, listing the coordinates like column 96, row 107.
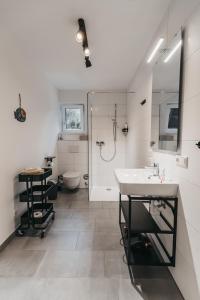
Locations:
column 73, row 156
column 102, row 113
column 73, row 152
column 22, row 144
column 187, row 270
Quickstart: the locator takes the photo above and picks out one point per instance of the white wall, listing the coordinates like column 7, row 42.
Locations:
column 73, row 158
column 22, row 144
column 187, row 270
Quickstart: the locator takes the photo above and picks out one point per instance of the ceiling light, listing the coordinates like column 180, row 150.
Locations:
column 173, row 51
column 87, row 62
column 87, row 51
column 161, row 40
column 79, row 36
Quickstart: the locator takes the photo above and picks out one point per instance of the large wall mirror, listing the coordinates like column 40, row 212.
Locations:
column 166, row 97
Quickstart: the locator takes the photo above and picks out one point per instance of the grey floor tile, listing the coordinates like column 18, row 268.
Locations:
column 72, row 264
column 55, row 239
column 59, row 264
column 63, row 213
column 54, row 289
column 107, row 241
column 74, row 224
column 20, row 262
column 90, row 214
column 110, row 204
column 79, row 204
column 91, row 264
column 84, row 214
column 16, row 244
column 63, row 201
column 80, row 258
column 95, row 204
column 114, row 265
column 106, row 225
column 100, row 213
column 114, row 214
column 85, row 241
column 15, row 288
column 98, row 241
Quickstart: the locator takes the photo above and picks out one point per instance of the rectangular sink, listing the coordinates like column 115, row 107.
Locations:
column 141, row 182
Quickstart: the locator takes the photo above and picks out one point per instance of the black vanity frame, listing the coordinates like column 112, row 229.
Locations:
column 138, row 220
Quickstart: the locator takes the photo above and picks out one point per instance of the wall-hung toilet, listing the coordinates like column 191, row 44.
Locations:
column 71, row 180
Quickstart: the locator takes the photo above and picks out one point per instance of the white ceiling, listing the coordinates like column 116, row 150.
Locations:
column 119, row 33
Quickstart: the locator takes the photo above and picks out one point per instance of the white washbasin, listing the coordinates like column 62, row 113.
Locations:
column 141, row 182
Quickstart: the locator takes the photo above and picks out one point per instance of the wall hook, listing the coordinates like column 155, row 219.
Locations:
column 143, row 102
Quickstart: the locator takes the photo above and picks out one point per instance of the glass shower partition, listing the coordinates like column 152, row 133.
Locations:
column 107, row 116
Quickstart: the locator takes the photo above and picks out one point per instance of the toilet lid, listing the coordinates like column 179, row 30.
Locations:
column 71, row 174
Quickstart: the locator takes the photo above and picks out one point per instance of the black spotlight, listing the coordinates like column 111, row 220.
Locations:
column 81, row 37
column 87, row 62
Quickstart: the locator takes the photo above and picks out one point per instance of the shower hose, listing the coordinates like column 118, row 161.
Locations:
column 113, row 156
column 115, row 146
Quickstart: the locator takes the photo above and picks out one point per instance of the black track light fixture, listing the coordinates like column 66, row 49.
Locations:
column 87, row 62
column 81, row 37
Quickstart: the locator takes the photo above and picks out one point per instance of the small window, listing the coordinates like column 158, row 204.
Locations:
column 72, row 118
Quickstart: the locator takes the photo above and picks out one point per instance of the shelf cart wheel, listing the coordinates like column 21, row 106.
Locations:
column 20, row 233
column 42, row 235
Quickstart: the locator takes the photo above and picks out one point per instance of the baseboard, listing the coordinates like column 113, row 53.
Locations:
column 7, row 241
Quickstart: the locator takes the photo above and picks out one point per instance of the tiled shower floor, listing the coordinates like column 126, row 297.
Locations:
column 79, row 259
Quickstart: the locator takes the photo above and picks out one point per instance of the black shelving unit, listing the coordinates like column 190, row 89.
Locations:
column 36, row 197
column 141, row 231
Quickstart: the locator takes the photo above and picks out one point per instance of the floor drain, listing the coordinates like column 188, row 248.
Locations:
column 108, row 189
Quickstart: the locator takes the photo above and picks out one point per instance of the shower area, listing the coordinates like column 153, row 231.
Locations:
column 107, row 125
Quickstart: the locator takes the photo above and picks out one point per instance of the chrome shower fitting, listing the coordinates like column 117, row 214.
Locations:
column 100, row 143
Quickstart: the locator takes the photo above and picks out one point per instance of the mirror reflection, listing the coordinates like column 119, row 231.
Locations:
column 166, row 97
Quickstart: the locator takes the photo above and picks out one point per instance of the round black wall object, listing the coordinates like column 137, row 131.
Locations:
column 20, row 114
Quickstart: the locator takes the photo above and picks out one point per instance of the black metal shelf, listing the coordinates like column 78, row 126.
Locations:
column 35, row 177
column 149, row 256
column 141, row 233
column 36, row 197
column 141, row 220
column 46, row 211
column 36, row 194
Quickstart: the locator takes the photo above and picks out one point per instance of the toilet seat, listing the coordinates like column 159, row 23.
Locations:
column 71, row 175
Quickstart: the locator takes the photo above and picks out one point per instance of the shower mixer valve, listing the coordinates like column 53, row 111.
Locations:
column 100, row 143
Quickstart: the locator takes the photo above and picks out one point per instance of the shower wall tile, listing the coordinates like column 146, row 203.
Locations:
column 102, row 129
column 101, row 99
column 108, row 110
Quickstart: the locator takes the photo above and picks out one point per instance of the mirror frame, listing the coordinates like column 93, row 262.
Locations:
column 180, row 99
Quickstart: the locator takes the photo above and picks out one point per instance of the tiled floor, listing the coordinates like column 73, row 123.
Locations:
column 79, row 259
